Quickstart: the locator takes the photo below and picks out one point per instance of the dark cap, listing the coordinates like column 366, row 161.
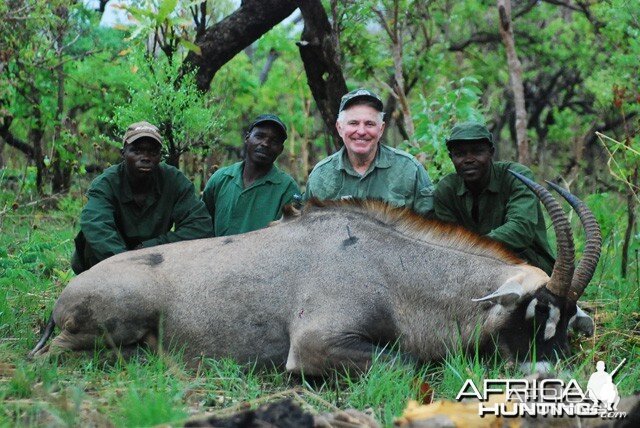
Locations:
column 137, row 130
column 360, row 93
column 271, row 118
column 470, row 131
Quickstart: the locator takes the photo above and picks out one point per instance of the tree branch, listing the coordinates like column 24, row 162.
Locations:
column 8, row 137
column 322, row 64
column 481, row 37
column 515, row 76
column 271, row 58
column 228, row 37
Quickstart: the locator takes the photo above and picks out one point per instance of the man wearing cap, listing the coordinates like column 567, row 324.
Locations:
column 250, row 194
column 483, row 197
column 366, row 169
column 137, row 202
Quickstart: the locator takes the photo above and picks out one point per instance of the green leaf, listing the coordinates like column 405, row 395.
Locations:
column 140, row 14
column 191, row 46
column 165, row 8
column 139, row 29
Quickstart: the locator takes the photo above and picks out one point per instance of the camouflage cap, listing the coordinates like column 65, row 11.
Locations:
column 470, row 131
column 352, row 96
column 271, row 118
column 137, row 130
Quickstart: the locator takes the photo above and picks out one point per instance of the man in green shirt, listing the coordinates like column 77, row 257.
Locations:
column 137, row 202
column 250, row 194
column 366, row 169
column 485, row 198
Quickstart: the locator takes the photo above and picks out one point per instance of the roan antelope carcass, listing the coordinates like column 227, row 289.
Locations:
column 324, row 289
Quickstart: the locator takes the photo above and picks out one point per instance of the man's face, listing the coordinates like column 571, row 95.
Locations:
column 263, row 144
column 472, row 159
column 141, row 158
column 361, row 128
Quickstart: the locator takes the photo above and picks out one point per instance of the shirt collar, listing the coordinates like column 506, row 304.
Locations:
column 382, row 160
column 273, row 176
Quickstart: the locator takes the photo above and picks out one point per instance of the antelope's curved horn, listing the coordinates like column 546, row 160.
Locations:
column 593, row 245
column 564, row 266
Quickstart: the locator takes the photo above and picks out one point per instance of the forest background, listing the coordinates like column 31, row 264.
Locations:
column 557, row 82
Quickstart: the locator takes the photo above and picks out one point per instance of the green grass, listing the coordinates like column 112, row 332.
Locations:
column 96, row 388
column 228, row 383
column 385, row 387
column 150, row 394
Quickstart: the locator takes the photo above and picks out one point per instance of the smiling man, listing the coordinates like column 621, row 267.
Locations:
column 137, row 202
column 250, row 194
column 366, row 169
column 483, row 197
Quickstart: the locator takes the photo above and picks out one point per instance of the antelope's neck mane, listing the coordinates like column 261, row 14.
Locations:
column 410, row 224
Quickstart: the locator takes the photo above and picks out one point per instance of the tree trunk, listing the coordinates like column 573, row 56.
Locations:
column 631, row 201
column 61, row 179
column 228, row 37
column 322, row 65
column 398, row 89
column 102, row 6
column 305, row 167
column 173, row 157
column 515, row 76
column 35, row 135
column 271, row 58
column 393, row 22
column 631, row 220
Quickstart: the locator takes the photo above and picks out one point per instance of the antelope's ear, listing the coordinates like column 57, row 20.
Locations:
column 509, row 293
column 518, row 287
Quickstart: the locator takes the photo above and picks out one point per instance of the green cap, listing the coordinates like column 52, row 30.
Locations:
column 270, row 118
column 470, row 131
column 359, row 93
column 137, row 130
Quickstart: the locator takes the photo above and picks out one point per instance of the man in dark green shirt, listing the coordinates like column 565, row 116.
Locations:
column 250, row 194
column 483, row 197
column 365, row 169
column 137, row 202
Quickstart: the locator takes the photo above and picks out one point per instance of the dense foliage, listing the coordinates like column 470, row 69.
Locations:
column 69, row 85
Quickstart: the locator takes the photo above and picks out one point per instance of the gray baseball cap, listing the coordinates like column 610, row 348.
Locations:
column 350, row 97
column 270, row 118
column 137, row 130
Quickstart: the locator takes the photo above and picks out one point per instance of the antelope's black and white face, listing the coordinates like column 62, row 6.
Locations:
column 537, row 322
column 538, row 329
column 533, row 317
